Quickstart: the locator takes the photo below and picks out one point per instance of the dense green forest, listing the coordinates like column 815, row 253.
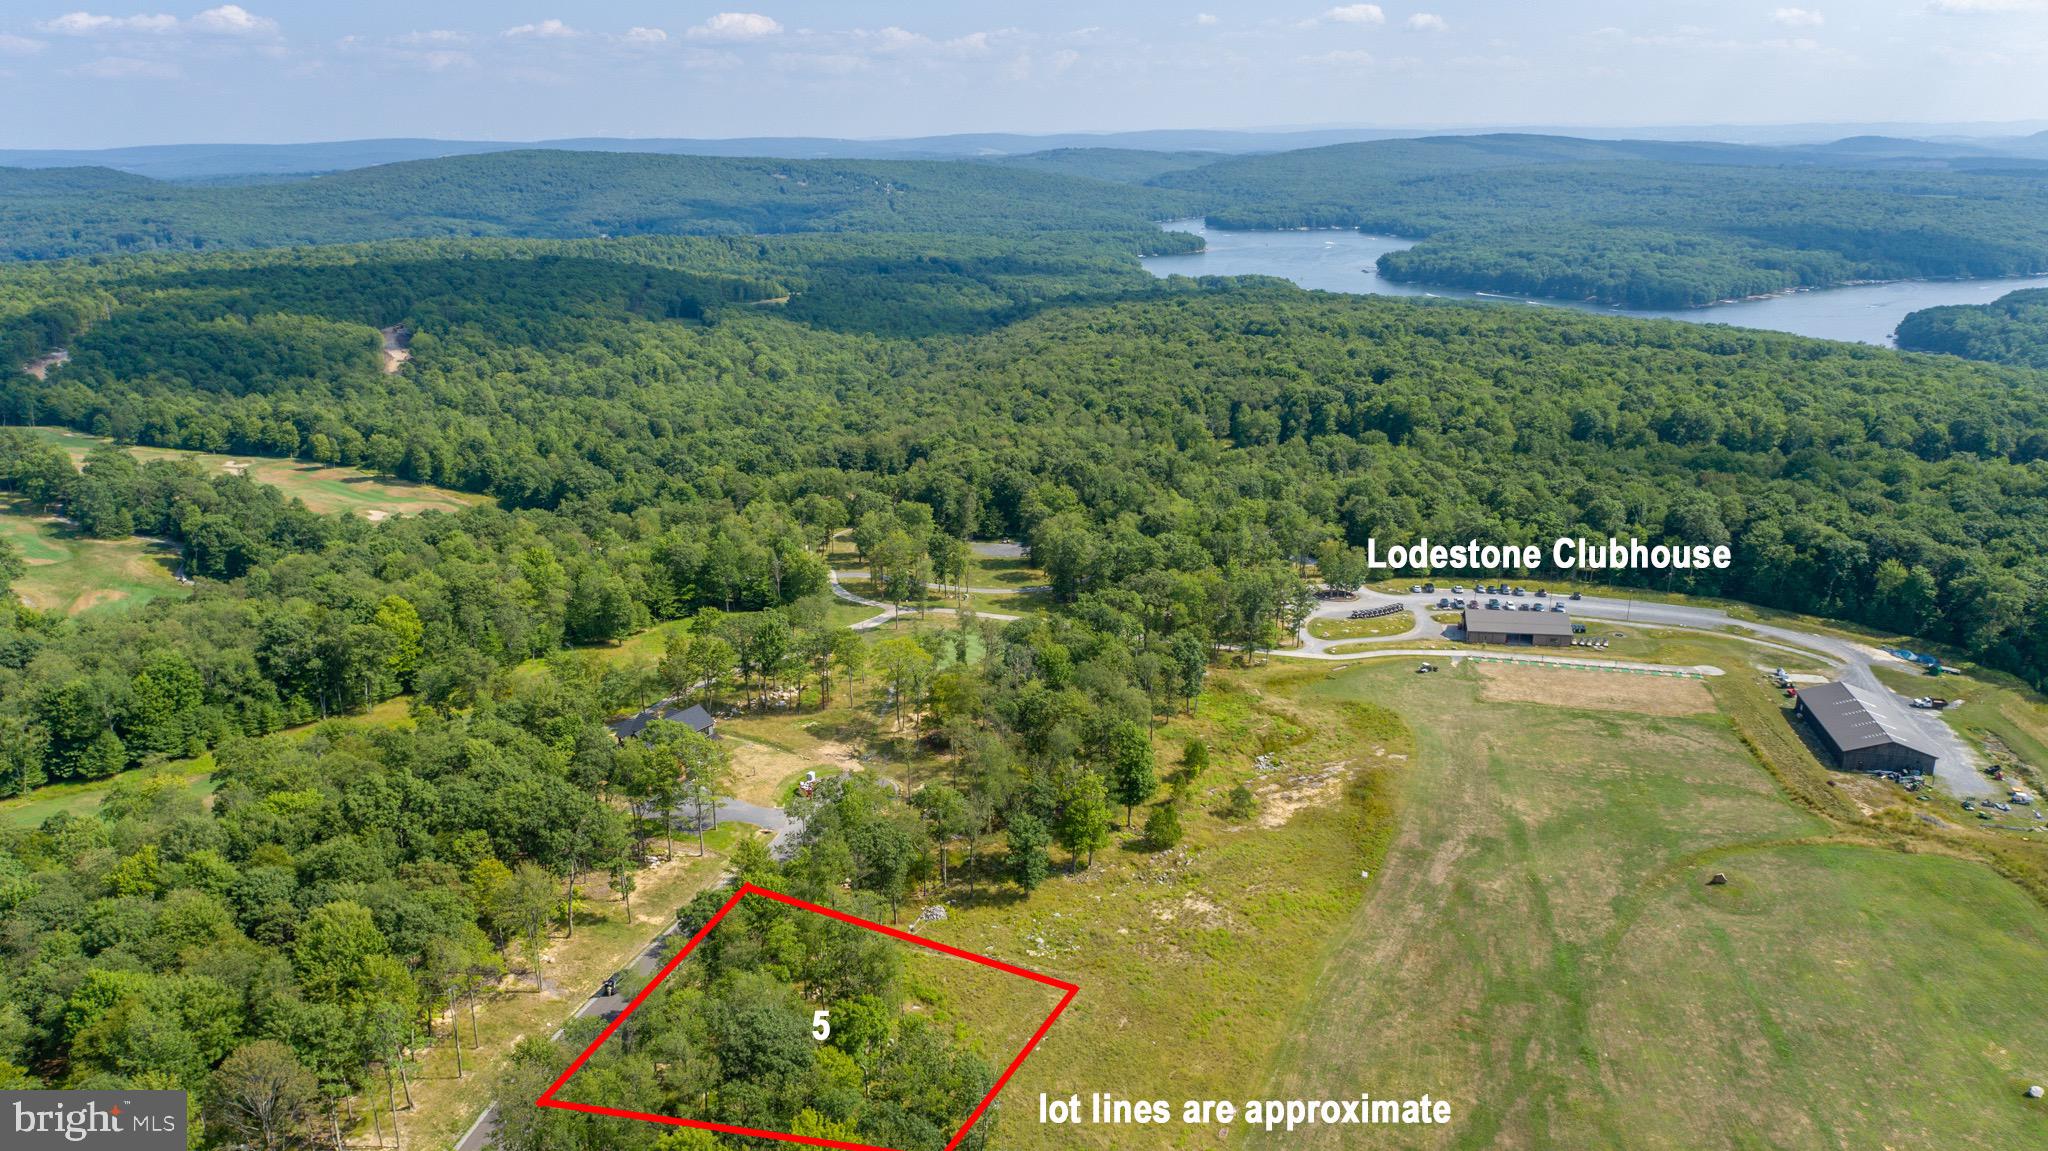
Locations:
column 672, row 428
column 1851, row 482
column 2012, row 329
column 1641, row 224
column 52, row 213
column 728, row 1037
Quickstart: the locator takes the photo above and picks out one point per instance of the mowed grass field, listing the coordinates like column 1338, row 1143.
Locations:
column 1191, row 960
column 1540, row 947
column 72, row 574
column 324, row 489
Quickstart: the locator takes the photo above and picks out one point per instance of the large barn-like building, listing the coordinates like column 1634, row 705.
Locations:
column 1866, row 730
column 1506, row 626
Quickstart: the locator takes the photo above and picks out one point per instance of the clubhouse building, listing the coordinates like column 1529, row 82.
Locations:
column 1507, row 626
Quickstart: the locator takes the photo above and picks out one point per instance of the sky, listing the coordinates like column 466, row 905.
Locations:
column 278, row 71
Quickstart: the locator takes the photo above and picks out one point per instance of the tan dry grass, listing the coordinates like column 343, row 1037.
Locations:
column 1597, row 690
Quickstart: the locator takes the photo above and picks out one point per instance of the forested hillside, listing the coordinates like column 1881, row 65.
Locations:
column 1851, row 482
column 2012, row 329
column 46, row 214
column 1641, row 224
column 673, row 429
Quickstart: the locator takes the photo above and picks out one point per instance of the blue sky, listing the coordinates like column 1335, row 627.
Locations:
column 270, row 70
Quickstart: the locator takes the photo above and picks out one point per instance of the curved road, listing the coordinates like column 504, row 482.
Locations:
column 1956, row 766
column 889, row 611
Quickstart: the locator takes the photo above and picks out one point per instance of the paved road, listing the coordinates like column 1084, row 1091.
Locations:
column 650, row 958
column 889, row 611
column 861, row 574
column 1956, row 767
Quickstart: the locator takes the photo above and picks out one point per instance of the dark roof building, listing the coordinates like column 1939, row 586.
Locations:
column 1866, row 730
column 1503, row 625
column 700, row 721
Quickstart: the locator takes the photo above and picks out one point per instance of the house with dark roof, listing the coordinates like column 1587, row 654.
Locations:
column 1866, row 730
column 700, row 721
column 1507, row 626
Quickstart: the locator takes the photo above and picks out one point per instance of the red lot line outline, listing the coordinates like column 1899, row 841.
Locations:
column 547, row 1098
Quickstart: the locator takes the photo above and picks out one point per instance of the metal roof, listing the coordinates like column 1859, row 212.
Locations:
column 694, row 715
column 1855, row 718
column 1545, row 622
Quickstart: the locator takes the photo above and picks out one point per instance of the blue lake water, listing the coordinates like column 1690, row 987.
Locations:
column 1343, row 261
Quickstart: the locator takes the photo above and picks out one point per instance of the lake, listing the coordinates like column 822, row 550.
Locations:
column 1344, row 261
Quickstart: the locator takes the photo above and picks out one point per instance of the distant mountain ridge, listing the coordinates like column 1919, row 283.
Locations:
column 215, row 161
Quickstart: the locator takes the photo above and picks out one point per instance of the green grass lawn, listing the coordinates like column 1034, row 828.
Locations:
column 1187, row 959
column 1540, row 948
column 1013, row 574
column 1327, row 627
column 194, row 776
column 72, row 574
column 324, row 489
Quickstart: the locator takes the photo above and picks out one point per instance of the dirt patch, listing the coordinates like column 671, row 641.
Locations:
column 41, row 365
column 839, row 755
column 760, row 770
column 1597, row 690
column 1192, row 910
column 1280, row 799
column 397, row 348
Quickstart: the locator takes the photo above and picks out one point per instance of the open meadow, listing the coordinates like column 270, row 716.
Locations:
column 1543, row 947
column 324, row 489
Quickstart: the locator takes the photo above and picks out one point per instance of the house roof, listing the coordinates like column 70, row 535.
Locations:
column 1855, row 718
column 694, row 715
column 1545, row 622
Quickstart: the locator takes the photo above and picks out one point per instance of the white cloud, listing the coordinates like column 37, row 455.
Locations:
column 127, row 68
column 433, row 36
column 736, row 26
column 1205, row 19
column 233, row 20
column 1427, row 22
column 1357, row 14
column 1798, row 18
column 894, row 41
column 12, row 45
column 545, row 30
column 88, row 24
column 646, row 36
column 225, row 20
